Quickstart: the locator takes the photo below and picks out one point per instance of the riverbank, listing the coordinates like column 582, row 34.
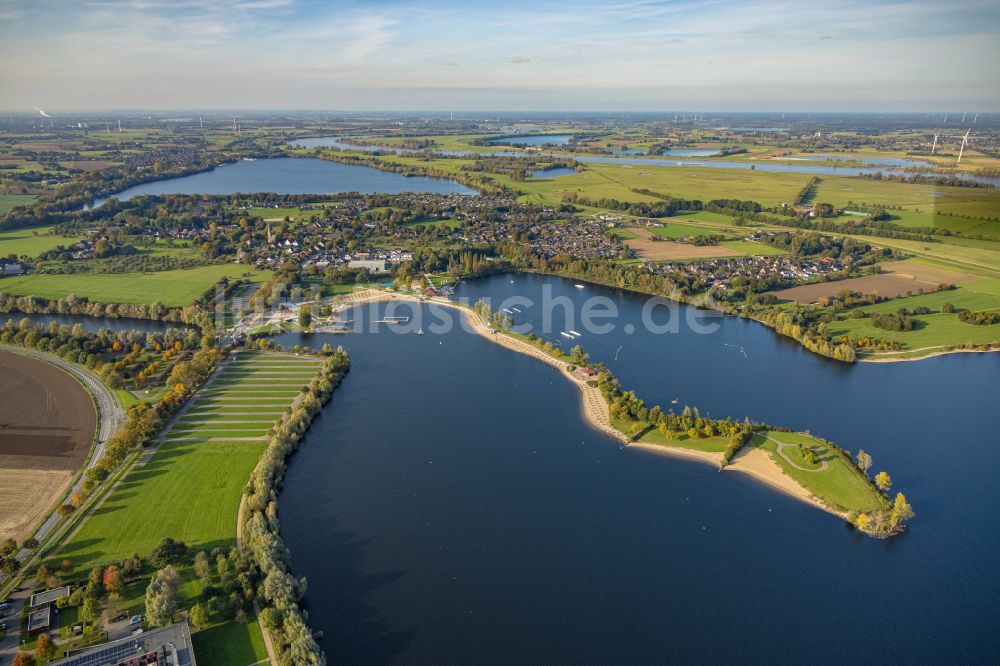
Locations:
column 943, row 352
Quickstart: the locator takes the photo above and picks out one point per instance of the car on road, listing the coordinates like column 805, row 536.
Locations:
column 119, row 617
column 136, row 619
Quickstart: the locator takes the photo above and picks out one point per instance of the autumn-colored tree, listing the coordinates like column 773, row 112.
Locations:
column 24, row 659
column 43, row 572
column 901, row 510
column 864, row 461
column 112, row 578
column 45, row 648
column 883, row 481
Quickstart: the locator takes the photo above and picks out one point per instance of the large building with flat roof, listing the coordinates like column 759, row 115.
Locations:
column 164, row 646
column 40, row 609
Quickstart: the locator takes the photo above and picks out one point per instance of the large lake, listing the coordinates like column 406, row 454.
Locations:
column 534, row 140
column 293, row 175
column 450, row 505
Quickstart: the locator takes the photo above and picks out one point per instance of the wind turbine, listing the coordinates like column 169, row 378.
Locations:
column 965, row 140
column 119, row 125
column 935, row 144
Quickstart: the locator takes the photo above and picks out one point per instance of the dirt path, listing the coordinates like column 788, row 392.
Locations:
column 781, row 452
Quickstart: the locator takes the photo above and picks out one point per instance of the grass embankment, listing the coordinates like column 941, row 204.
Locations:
column 173, row 288
column 191, row 490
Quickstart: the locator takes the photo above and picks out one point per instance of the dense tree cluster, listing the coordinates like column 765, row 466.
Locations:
column 193, row 315
column 893, row 321
column 982, row 318
column 280, row 591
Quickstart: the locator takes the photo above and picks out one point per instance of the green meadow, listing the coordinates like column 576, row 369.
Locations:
column 32, row 241
column 173, row 288
column 839, row 484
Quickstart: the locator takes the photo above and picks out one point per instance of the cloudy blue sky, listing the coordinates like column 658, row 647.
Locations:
column 503, row 55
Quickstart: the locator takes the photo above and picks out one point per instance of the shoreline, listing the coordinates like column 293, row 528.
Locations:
column 948, row 352
column 691, row 303
column 752, row 461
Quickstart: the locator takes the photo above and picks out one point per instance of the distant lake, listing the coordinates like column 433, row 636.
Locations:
column 534, row 139
column 552, row 173
column 294, row 175
column 690, row 152
column 887, row 161
column 450, row 505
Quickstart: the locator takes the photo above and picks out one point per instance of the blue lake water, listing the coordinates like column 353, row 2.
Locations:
column 288, row 175
column 887, row 161
column 450, row 505
column 552, row 173
column 535, row 140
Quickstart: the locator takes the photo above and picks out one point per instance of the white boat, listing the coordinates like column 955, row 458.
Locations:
column 420, row 332
column 566, row 335
column 575, row 334
column 578, row 286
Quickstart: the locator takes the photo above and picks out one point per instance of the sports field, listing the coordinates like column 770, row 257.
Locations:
column 190, row 488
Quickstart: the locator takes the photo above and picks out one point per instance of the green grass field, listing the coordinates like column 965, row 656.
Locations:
column 191, row 491
column 9, row 202
column 32, row 242
column 654, row 436
column 927, row 199
column 839, row 485
column 186, row 491
column 230, row 644
column 173, row 288
column 935, row 329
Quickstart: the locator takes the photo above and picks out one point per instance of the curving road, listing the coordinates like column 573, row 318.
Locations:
column 110, row 413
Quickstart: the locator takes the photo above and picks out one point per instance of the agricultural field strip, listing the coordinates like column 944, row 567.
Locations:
column 210, row 419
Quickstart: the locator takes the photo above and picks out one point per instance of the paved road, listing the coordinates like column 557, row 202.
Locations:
column 109, row 410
